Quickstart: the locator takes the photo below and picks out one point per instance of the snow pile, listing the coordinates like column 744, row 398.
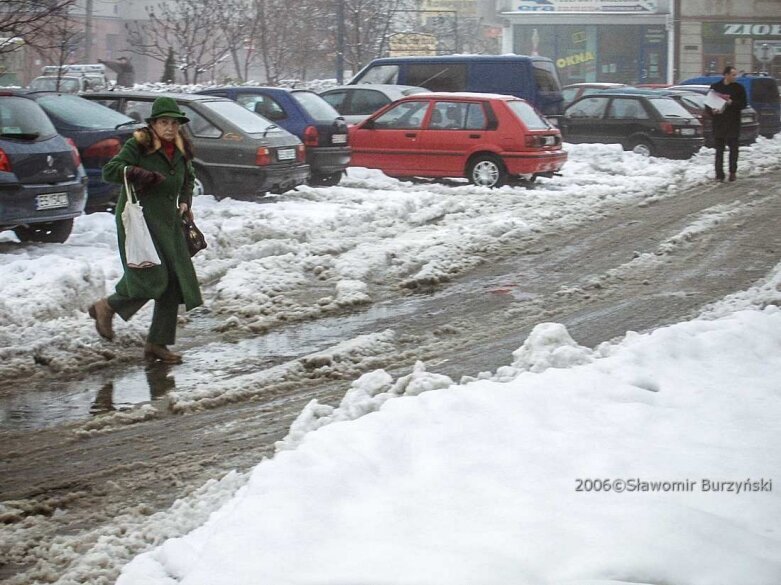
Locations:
column 622, row 464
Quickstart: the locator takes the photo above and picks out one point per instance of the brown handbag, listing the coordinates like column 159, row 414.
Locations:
column 193, row 236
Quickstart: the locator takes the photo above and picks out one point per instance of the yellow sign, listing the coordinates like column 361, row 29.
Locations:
column 410, row 44
column 464, row 7
column 576, row 59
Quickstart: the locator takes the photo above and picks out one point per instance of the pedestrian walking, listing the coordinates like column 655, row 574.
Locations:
column 726, row 122
column 126, row 74
column 158, row 161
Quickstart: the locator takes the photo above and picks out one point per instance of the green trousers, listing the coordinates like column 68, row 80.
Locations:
column 162, row 331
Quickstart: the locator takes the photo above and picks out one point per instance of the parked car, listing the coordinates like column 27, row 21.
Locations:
column 762, row 94
column 358, row 102
column 573, row 91
column 653, row 125
column 98, row 133
column 43, row 186
column 532, row 78
column 306, row 115
column 237, row 153
column 489, row 139
column 749, row 119
column 71, row 78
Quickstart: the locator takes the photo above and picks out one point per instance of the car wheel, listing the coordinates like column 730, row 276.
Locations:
column 487, row 171
column 55, row 232
column 202, row 185
column 641, row 147
column 325, row 179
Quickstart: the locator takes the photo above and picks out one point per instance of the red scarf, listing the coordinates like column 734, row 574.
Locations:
column 169, row 148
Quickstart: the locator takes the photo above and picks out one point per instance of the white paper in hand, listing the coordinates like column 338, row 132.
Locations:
column 715, row 101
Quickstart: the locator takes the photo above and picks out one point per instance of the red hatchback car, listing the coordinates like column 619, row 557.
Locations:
column 489, row 139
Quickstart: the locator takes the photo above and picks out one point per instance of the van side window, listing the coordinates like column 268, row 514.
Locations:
column 498, row 77
column 437, row 76
column 545, row 76
column 381, row 74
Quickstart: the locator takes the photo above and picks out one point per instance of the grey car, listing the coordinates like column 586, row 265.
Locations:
column 237, row 153
column 357, row 102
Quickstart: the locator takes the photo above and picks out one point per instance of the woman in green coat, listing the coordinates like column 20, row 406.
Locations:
column 158, row 161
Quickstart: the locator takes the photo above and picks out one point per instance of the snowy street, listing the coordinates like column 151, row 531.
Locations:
column 320, row 293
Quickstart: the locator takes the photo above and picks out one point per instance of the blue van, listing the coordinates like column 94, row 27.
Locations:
column 532, row 78
column 762, row 94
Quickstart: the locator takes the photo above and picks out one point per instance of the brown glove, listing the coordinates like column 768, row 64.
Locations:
column 142, row 179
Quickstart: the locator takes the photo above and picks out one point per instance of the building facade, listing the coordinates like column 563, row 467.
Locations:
column 644, row 41
column 743, row 33
column 628, row 41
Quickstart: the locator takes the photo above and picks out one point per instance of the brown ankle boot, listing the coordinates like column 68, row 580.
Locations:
column 160, row 352
column 103, row 314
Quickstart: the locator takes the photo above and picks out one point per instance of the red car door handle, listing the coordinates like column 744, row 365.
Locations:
column 474, row 136
column 410, row 135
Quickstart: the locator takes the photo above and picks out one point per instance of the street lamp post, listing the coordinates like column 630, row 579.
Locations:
column 340, row 41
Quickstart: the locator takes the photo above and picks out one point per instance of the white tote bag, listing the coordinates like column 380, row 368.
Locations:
column 139, row 248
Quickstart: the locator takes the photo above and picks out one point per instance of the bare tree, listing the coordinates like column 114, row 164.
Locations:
column 190, row 27
column 29, row 20
column 239, row 23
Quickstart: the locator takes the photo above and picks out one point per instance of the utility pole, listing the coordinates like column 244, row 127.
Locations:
column 340, row 42
column 88, row 32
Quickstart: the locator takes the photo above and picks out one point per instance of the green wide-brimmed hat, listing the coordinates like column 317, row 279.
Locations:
column 166, row 107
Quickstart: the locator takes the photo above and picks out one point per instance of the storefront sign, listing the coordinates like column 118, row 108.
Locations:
column 409, row 44
column 577, row 59
column 752, row 30
column 623, row 6
column 464, row 7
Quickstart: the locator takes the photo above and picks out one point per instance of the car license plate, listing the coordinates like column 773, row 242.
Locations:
column 687, row 131
column 286, row 154
column 51, row 200
column 339, row 138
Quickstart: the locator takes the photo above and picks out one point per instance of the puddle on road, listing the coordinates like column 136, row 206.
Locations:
column 50, row 402
column 46, row 403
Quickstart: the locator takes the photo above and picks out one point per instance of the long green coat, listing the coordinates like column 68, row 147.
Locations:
column 161, row 210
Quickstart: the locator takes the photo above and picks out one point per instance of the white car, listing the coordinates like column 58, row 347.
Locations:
column 357, row 102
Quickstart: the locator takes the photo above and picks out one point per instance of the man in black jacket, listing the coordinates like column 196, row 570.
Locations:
column 726, row 123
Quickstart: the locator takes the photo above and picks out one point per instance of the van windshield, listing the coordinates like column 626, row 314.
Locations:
column 380, row 74
column 545, row 76
column 764, row 90
column 66, row 84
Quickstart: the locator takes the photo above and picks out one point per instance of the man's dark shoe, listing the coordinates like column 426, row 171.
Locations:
column 720, row 179
column 103, row 315
column 732, row 177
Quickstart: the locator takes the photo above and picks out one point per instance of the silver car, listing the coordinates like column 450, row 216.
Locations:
column 357, row 102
